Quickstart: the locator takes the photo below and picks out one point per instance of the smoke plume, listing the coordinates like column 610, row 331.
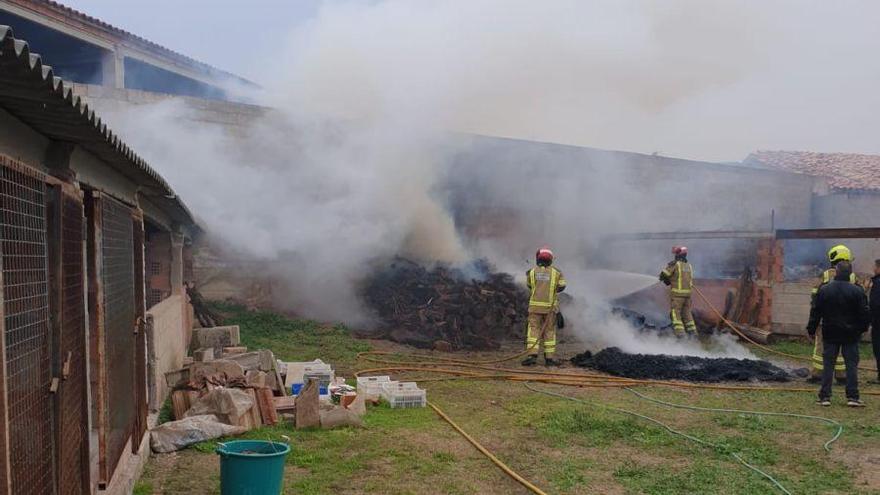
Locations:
column 372, row 103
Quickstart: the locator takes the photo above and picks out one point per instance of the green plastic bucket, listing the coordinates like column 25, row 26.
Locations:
column 252, row 467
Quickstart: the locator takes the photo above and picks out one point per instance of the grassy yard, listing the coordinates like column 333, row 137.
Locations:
column 563, row 447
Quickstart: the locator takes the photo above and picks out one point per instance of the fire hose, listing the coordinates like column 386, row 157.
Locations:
column 458, row 369
column 666, row 427
column 752, row 342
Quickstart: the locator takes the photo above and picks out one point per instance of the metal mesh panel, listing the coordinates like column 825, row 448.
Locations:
column 26, row 315
column 140, row 349
column 73, row 417
column 117, row 254
column 155, row 296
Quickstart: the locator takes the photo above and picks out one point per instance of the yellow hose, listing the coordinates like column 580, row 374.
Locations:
column 460, row 369
column 756, row 344
column 524, row 482
column 581, row 379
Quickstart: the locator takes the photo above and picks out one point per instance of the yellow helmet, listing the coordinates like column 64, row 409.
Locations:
column 839, row 253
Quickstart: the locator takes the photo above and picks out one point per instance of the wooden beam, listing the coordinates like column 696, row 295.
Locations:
column 845, row 233
column 708, row 234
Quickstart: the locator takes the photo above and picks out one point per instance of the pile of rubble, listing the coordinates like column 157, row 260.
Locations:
column 446, row 307
column 224, row 390
column 689, row 368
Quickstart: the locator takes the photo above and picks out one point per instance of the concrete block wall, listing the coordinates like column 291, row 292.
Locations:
column 168, row 343
column 598, row 192
column 791, row 307
column 232, row 116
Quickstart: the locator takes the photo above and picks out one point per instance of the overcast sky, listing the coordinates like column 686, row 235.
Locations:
column 222, row 33
column 691, row 78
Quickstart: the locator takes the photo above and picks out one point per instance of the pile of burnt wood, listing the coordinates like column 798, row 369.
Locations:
column 446, row 307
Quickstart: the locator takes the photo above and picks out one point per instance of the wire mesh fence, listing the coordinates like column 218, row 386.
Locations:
column 117, row 252
column 73, row 420
column 27, row 336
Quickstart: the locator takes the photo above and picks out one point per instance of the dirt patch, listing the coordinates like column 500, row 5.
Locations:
column 202, row 477
column 867, row 467
column 695, row 369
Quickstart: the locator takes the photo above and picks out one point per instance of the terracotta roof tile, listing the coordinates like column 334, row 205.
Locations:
column 844, row 171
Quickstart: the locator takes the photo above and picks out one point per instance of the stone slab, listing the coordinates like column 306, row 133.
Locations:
column 216, row 338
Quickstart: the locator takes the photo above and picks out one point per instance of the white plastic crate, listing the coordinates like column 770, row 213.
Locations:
column 404, row 395
column 371, row 386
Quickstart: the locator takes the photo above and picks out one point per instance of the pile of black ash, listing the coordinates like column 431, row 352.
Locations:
column 689, row 368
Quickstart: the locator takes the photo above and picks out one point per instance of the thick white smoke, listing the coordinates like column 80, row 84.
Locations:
column 365, row 95
column 688, row 78
column 320, row 200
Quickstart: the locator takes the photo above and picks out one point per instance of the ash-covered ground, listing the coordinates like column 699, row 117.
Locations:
column 689, row 368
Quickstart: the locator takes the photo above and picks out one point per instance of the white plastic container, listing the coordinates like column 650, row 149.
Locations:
column 403, row 395
column 371, row 386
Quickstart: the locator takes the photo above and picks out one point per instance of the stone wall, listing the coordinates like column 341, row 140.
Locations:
column 572, row 198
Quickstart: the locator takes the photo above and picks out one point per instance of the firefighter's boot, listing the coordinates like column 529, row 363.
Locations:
column 531, row 360
column 549, row 361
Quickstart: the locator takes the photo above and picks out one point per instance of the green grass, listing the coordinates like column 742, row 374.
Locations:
column 291, row 339
column 143, row 488
column 563, row 447
column 582, row 425
column 707, row 476
column 324, row 459
column 571, row 473
column 804, row 348
column 166, row 414
column 702, row 476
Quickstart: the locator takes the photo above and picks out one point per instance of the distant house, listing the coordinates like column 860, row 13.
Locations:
column 847, row 194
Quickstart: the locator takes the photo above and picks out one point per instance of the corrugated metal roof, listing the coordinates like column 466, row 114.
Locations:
column 30, row 91
column 63, row 12
column 844, row 171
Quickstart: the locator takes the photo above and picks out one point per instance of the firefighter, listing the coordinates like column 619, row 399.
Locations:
column 679, row 276
column 874, row 290
column 836, row 255
column 842, row 309
column 544, row 282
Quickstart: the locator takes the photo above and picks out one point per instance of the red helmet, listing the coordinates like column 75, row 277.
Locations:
column 544, row 254
column 680, row 250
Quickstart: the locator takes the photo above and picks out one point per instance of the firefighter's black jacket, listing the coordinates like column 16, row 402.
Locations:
column 842, row 309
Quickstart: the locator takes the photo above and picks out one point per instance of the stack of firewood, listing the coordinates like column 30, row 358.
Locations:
column 463, row 308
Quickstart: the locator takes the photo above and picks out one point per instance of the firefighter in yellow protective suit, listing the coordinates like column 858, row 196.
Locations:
column 836, row 255
column 679, row 276
column 544, row 282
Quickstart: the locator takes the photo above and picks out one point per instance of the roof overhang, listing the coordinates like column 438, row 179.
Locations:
column 30, row 91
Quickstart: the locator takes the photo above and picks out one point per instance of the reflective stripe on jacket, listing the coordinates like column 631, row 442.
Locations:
column 828, row 275
column 681, row 277
column 544, row 282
